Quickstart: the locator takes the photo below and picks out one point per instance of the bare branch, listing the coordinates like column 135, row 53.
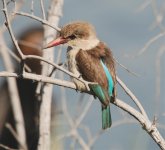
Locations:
column 148, row 44
column 144, row 5
column 160, row 53
column 60, row 68
column 13, row 55
column 16, row 8
column 73, row 127
column 115, row 124
column 43, row 9
column 8, row 25
column 14, row 96
column 83, row 114
column 132, row 96
column 151, row 41
column 74, row 131
column 40, row 78
column 45, row 22
column 146, row 124
column 32, row 7
column 10, row 128
column 158, row 16
column 131, row 72
column 8, row 148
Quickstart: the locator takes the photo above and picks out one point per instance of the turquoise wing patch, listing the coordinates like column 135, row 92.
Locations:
column 109, row 78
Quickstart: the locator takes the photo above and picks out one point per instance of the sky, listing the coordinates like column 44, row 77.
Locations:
column 125, row 30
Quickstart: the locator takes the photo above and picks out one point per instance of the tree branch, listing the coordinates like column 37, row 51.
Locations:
column 12, row 85
column 45, row 22
column 145, row 122
column 132, row 96
column 47, row 90
column 8, row 25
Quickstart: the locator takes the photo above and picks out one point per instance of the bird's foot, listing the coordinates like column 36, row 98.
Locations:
column 21, row 69
column 113, row 99
column 80, row 76
column 77, row 87
column 83, row 85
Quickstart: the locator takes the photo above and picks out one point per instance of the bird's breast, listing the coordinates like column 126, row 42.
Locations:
column 72, row 67
column 71, row 57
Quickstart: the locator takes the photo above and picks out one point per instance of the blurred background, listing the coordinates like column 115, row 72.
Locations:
column 132, row 30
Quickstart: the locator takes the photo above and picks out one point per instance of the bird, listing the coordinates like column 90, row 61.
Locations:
column 91, row 60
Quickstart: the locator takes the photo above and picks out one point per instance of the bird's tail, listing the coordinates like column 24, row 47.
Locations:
column 106, row 117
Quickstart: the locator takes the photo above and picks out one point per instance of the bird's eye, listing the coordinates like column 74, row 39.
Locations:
column 72, row 37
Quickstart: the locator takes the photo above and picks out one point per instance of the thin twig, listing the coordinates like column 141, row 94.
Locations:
column 131, row 72
column 32, row 7
column 148, row 44
column 60, row 68
column 133, row 97
column 87, row 130
column 7, row 148
column 158, row 79
column 43, row 9
column 158, row 16
column 64, row 105
column 13, row 55
column 115, row 124
column 10, row 128
column 8, row 25
column 74, row 131
column 151, row 41
column 38, row 19
column 83, row 114
column 16, row 8
column 144, row 5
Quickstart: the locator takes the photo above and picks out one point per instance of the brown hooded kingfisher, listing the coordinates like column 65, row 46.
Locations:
column 91, row 60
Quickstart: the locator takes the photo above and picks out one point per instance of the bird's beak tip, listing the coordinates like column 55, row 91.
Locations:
column 55, row 42
column 46, row 46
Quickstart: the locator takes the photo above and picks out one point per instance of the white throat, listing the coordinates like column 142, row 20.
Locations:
column 84, row 44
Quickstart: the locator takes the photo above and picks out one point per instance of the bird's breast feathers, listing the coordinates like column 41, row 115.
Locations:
column 72, row 67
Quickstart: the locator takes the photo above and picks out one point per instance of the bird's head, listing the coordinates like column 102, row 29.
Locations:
column 77, row 34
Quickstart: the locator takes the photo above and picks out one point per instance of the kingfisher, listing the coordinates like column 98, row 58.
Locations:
column 90, row 59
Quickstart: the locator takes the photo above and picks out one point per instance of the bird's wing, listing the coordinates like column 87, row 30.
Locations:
column 90, row 67
column 93, row 64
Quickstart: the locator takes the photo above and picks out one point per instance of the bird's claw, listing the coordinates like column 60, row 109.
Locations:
column 80, row 76
column 77, row 88
column 20, row 75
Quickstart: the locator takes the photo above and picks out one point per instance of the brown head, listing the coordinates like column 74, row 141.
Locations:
column 77, row 34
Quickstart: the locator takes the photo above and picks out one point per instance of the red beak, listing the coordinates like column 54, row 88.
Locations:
column 56, row 42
